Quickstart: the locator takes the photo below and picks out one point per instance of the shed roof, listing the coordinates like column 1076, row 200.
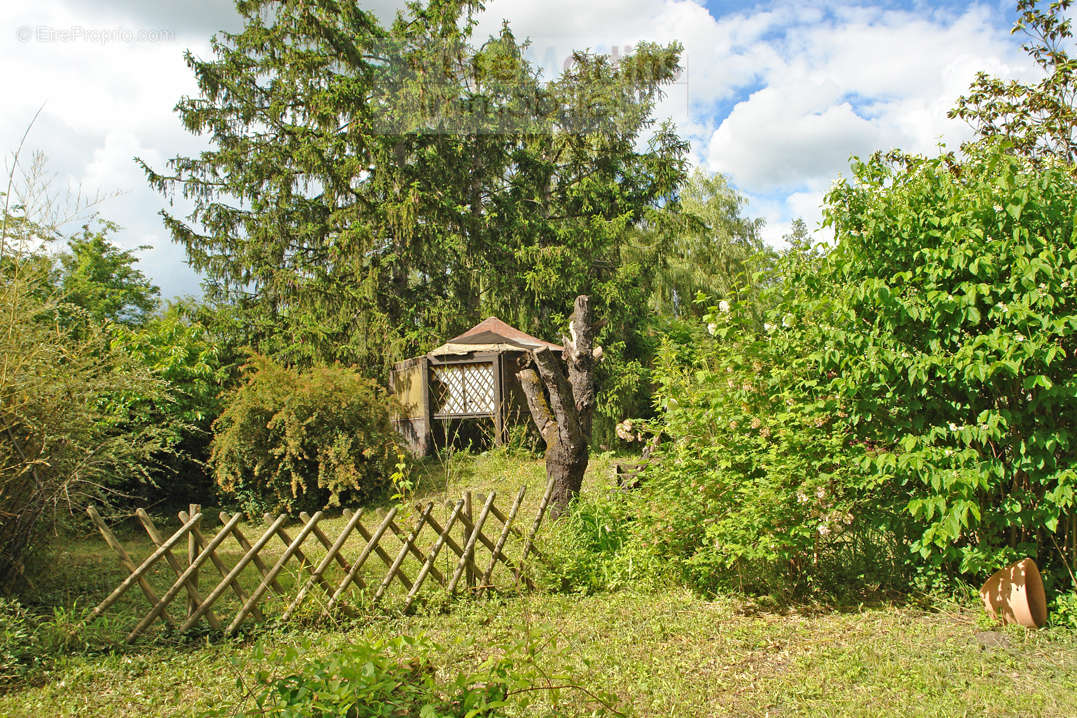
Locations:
column 492, row 334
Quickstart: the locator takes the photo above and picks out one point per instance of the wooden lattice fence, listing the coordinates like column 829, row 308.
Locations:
column 336, row 571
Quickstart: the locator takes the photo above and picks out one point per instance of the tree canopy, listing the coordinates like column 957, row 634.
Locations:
column 1038, row 119
column 369, row 189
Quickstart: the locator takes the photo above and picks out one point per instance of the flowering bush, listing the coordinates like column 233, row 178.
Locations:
column 757, row 487
column 907, row 402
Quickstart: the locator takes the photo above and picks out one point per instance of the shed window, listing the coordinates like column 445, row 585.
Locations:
column 463, row 389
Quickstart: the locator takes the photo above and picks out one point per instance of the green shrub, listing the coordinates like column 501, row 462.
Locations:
column 590, row 548
column 1063, row 610
column 954, row 349
column 68, row 435
column 181, row 352
column 756, row 488
column 907, row 404
column 290, row 439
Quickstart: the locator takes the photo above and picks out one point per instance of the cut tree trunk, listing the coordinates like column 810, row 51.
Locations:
column 562, row 408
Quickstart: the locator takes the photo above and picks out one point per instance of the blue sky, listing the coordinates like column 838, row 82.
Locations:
column 776, row 95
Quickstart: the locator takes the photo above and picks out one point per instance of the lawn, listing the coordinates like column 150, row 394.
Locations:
column 665, row 653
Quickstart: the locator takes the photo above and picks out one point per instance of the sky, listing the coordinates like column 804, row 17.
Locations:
column 775, row 95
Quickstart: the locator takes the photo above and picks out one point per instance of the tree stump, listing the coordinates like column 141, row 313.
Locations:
column 561, row 406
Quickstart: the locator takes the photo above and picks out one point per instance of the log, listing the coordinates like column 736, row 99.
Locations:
column 333, row 552
column 353, row 574
column 240, row 565
column 469, row 547
column 293, row 549
column 141, row 570
column 218, row 563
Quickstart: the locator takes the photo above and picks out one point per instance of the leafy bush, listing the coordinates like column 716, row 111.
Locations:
column 757, row 488
column 68, row 435
column 1063, row 610
column 289, row 439
column 591, row 550
column 905, row 405
column 181, row 352
column 956, row 349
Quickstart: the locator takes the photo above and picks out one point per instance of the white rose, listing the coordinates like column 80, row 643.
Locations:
column 723, row 306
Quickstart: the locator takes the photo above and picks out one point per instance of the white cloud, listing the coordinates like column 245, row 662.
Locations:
column 857, row 80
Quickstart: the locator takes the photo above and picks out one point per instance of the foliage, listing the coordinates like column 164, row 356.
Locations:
column 1038, row 119
column 102, row 281
column 592, row 550
column 415, row 182
column 906, row 400
column 66, row 441
column 955, row 354
column 289, row 438
column 17, row 647
column 388, row 678
column 757, row 488
column 393, row 185
column 708, row 251
column 180, row 351
column 1063, row 610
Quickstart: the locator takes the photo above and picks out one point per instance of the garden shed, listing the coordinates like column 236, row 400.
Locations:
column 467, row 387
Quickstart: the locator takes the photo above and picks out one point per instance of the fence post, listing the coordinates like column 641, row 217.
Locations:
column 192, row 554
column 469, row 575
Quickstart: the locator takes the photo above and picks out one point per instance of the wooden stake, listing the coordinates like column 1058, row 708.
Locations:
column 283, row 534
column 333, row 551
column 293, row 549
column 386, row 559
column 138, row 572
column 504, row 559
column 403, row 553
column 125, row 560
column 530, row 543
column 182, row 581
column 412, row 548
column 371, row 544
column 515, row 531
column 449, row 540
column 471, row 571
column 428, row 565
column 192, row 554
column 469, row 547
column 221, row 568
column 320, row 535
column 256, row 559
column 496, row 552
column 192, row 591
column 240, row 565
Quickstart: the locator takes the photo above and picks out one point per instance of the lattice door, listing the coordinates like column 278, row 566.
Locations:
column 463, row 389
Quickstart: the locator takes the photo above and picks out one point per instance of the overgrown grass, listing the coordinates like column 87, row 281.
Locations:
column 660, row 652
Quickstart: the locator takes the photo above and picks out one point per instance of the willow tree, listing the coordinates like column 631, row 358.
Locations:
column 370, row 188
column 708, row 247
